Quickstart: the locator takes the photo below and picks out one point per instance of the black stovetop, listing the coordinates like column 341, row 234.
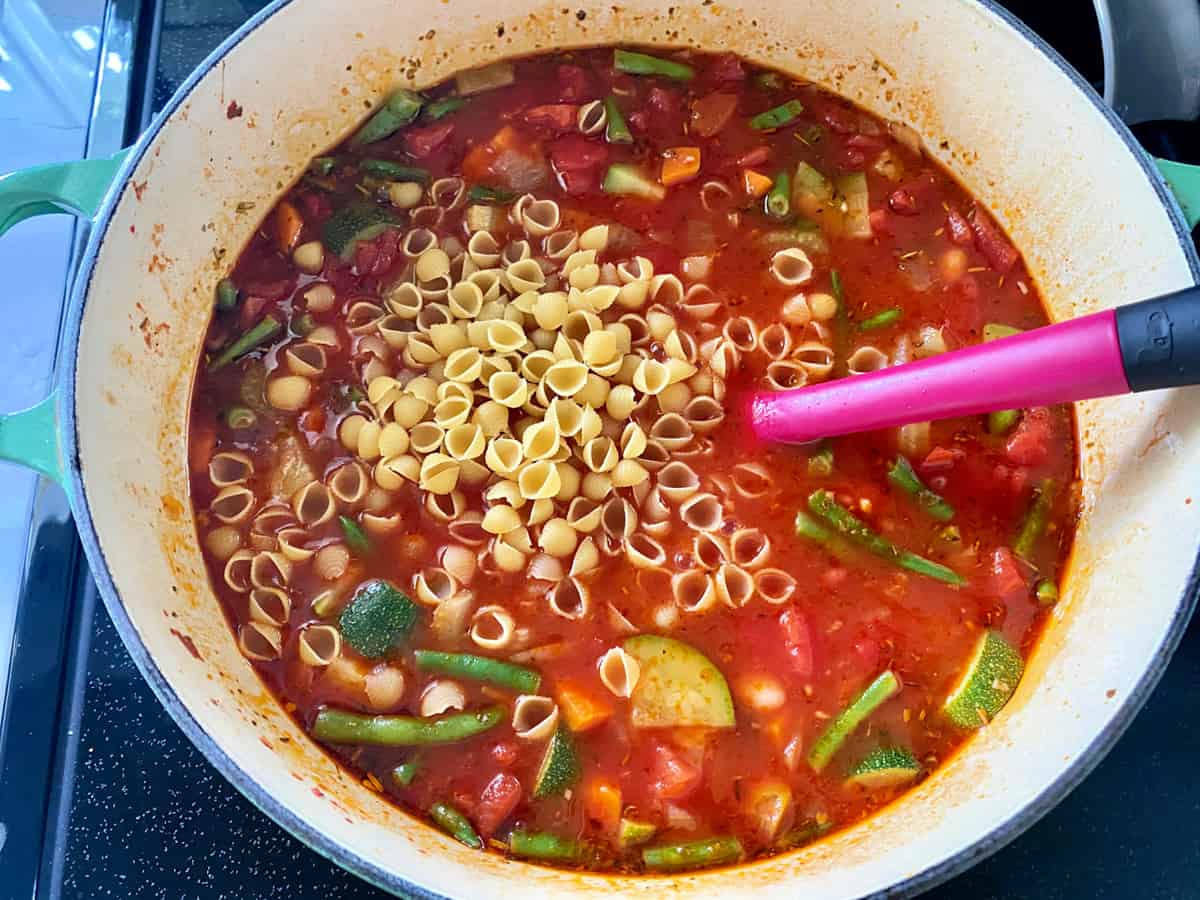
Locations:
column 136, row 812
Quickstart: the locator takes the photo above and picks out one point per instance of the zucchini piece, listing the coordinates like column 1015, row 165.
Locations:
column 989, row 679
column 885, row 767
column 356, row 538
column 853, row 188
column 679, row 685
column 485, row 78
column 377, row 619
column 993, row 331
column 631, row 832
column 400, row 109
column 560, row 766
column 359, row 221
column 393, row 171
column 873, row 696
column 811, row 191
column 622, row 178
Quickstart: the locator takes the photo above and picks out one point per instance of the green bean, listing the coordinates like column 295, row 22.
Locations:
column 405, row 773
column 439, row 109
column 632, row 63
column 1047, row 592
column 617, row 130
column 543, row 845
column 401, row 108
column 227, row 295
column 393, row 171
column 481, row 193
column 1033, row 526
column 322, row 166
column 779, row 199
column 823, row 504
column 901, row 474
column 356, row 538
column 777, row 116
column 882, row 319
column 455, row 824
column 874, row 695
column 690, row 855
column 267, row 328
column 821, row 462
column 337, row 726
column 835, row 287
column 240, row 417
column 804, row 833
column 807, row 526
column 479, row 668
column 1002, row 421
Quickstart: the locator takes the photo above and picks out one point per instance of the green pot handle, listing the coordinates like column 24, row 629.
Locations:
column 1184, row 182
column 30, row 437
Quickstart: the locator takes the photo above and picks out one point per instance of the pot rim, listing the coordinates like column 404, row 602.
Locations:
column 1001, row 834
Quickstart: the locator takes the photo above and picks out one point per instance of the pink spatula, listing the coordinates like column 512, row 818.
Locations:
column 1143, row 347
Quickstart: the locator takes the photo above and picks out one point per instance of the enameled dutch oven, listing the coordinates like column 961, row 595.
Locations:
column 1024, row 133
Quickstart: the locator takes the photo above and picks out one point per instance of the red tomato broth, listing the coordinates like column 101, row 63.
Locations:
column 861, row 615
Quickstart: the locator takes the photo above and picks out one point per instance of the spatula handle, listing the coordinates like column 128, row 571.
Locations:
column 1152, row 344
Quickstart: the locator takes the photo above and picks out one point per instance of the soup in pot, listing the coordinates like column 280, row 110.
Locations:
column 473, row 477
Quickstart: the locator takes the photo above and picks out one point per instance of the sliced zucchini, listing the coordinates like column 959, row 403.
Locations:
column 622, row 178
column 560, row 766
column 679, row 685
column 360, row 221
column 874, row 695
column 853, row 188
column 377, row 619
column 885, row 767
column 811, row 191
column 991, row 676
column 631, row 832
column 993, row 331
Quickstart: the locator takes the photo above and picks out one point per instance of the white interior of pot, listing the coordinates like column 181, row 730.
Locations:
column 1003, row 117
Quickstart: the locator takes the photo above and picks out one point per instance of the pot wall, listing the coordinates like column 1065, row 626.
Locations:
column 1003, row 117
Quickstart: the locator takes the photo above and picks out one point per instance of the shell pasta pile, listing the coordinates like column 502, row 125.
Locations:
column 472, row 479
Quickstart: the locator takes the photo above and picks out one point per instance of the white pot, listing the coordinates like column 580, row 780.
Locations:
column 1022, row 132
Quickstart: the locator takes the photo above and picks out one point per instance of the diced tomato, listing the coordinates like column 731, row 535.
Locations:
column 755, row 157
column 553, row 117
column 504, row 753
column 797, row 641
column 572, row 83
column 881, row 223
column 576, row 184
column 725, row 67
column 834, row 116
column 1000, row 254
column 664, row 102
column 520, row 171
column 365, row 254
column 497, row 803
column 1029, row 444
column 867, row 651
column 903, row 203
column 1007, row 580
column 422, row 142
column 958, row 229
column 575, row 153
column 849, row 159
column 673, row 777
column 638, row 121
column 968, row 288
column 602, row 803
column 317, row 207
column 270, row 290
column 712, row 112
column 252, row 308
column 313, row 420
column 869, row 144
column 941, row 459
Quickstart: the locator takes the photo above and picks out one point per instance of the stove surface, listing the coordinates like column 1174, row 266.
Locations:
column 136, row 812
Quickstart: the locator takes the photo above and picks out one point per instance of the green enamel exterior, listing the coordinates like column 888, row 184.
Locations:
column 30, row 438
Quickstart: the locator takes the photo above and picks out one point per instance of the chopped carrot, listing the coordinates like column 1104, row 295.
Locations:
column 582, row 708
column 754, row 184
column 680, row 164
column 288, row 223
column 313, row 419
column 602, row 803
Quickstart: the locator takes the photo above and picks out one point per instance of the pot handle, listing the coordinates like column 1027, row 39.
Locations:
column 30, row 437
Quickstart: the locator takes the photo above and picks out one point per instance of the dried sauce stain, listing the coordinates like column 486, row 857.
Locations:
column 1161, row 433
column 188, row 644
column 234, row 110
column 139, row 188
